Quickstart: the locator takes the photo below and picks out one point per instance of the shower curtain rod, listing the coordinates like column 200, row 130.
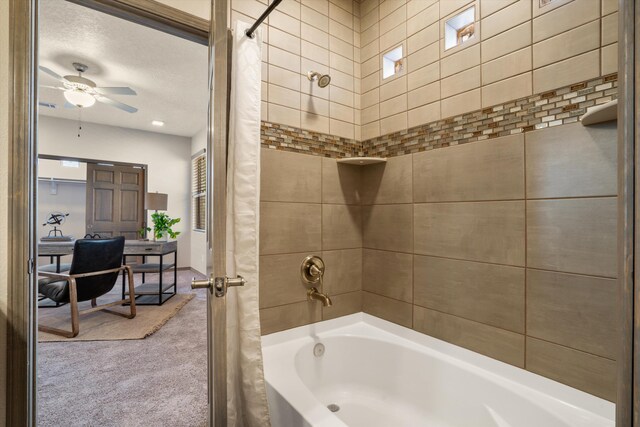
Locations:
column 250, row 32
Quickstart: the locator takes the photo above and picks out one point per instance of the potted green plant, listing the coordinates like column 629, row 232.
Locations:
column 162, row 226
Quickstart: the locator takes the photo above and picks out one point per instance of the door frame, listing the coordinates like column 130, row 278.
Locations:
column 21, row 325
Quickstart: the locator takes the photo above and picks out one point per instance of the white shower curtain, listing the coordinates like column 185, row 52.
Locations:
column 247, row 399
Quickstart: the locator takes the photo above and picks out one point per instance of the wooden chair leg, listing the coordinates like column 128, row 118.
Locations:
column 75, row 321
column 132, row 299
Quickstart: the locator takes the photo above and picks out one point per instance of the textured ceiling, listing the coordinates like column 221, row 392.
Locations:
column 168, row 73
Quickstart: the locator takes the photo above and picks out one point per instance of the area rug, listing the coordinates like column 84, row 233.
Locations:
column 102, row 326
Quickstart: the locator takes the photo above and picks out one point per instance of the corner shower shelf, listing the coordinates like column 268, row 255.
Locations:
column 362, row 161
column 601, row 113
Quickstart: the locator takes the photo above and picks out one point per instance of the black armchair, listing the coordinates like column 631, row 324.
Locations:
column 95, row 267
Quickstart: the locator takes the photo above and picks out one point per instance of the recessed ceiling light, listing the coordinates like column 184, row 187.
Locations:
column 157, row 123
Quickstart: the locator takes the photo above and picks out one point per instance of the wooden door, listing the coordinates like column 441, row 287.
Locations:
column 115, row 200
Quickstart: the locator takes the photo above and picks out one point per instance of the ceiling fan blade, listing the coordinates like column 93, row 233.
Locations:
column 52, row 73
column 113, row 103
column 47, row 104
column 115, row 91
column 69, row 105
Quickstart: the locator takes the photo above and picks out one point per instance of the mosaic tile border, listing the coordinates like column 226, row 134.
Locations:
column 288, row 138
column 552, row 108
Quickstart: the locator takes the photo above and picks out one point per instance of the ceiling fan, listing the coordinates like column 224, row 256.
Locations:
column 81, row 92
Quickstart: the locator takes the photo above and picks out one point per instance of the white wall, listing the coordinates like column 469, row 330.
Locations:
column 198, row 238
column 168, row 158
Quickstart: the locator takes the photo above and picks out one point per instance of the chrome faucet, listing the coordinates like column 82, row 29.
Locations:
column 314, row 294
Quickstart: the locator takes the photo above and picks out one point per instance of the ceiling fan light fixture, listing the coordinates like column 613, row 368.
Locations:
column 79, row 98
column 157, row 123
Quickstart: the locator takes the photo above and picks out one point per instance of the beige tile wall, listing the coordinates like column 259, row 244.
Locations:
column 319, row 35
column 461, row 245
column 519, row 49
column 310, row 205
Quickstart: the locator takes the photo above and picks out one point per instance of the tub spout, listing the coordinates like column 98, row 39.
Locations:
column 314, row 294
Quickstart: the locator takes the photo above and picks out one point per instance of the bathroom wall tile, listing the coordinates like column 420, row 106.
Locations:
column 572, row 161
column 369, row 67
column 609, row 6
column 506, row 18
column 609, row 59
column 460, row 61
column 393, row 37
column 343, row 271
column 314, row 104
column 289, row 227
column 283, row 96
column 394, row 123
column 340, row 31
column 393, row 88
column 284, row 41
column 609, row 29
column 340, row 183
column 390, row 19
column 574, row 311
column 424, row 56
column 289, row 316
column 370, row 130
column 371, row 82
column 315, row 53
column 567, row 44
column 368, row 19
column 388, row 309
column 284, row 78
column 508, row 89
column 539, row 9
column 314, row 122
column 425, row 114
column 576, row 69
column 388, row 182
column 343, row 305
column 486, row 293
column 341, row 112
column 419, row 20
column 285, row 22
column 593, row 374
column 278, row 167
column 490, row 170
column 313, row 17
column 368, row 6
column 487, row 7
column 426, row 94
column 291, row 8
column 280, row 281
column 388, row 227
column 493, row 342
column 564, row 18
column 507, row 66
column 340, row 63
column 423, row 38
column 338, row 14
column 507, row 42
column 389, row 274
column 416, row 6
column 477, row 231
column 462, row 103
column 393, row 106
column 284, row 115
column 573, row 235
column 461, row 82
column 423, row 76
column 449, row 6
column 342, row 129
column 347, row 5
column 314, row 35
column 341, row 226
column 370, row 114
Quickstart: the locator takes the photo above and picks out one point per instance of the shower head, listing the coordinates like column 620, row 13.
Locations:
column 323, row 79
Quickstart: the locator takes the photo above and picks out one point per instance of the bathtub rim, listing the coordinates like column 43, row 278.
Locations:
column 368, row 326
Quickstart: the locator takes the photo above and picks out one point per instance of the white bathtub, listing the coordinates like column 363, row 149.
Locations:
column 384, row 375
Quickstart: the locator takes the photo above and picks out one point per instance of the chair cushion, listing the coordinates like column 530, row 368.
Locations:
column 54, row 289
column 51, row 268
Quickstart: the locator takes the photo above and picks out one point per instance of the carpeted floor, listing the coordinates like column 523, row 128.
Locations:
column 158, row 381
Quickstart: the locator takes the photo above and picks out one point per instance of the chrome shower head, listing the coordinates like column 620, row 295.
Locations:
column 323, row 79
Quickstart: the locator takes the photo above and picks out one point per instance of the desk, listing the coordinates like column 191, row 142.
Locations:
column 146, row 293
